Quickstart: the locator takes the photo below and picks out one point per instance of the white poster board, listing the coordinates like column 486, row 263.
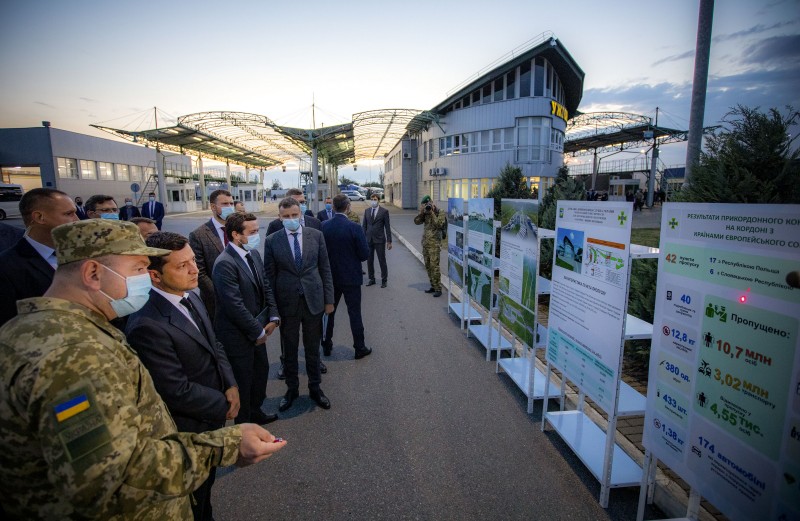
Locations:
column 589, row 294
column 519, row 258
column 455, row 240
column 480, row 251
column 723, row 400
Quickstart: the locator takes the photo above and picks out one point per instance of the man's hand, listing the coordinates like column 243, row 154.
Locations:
column 232, row 395
column 262, row 339
column 257, row 444
column 269, row 328
column 328, row 309
column 388, row 245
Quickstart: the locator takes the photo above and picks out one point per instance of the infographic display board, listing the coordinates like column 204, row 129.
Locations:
column 455, row 240
column 588, row 295
column 519, row 257
column 723, row 401
column 480, row 250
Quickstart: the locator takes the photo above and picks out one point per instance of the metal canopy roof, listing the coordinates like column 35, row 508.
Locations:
column 593, row 132
column 256, row 141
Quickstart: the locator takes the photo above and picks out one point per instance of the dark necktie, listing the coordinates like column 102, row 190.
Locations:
column 253, row 269
column 298, row 254
column 185, row 302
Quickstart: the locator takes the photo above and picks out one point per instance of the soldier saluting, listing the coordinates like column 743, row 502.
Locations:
column 83, row 432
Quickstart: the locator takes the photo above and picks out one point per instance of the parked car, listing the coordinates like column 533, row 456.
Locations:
column 10, row 195
column 354, row 195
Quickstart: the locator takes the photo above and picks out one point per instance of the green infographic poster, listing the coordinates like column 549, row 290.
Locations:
column 723, row 404
column 455, row 240
column 480, row 250
column 519, row 256
column 587, row 299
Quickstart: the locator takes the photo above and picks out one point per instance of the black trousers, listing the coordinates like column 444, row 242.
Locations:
column 311, row 325
column 380, row 249
column 352, row 297
column 201, row 506
column 251, row 372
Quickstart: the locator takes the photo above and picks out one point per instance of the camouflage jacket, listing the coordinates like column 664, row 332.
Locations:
column 83, row 432
column 434, row 222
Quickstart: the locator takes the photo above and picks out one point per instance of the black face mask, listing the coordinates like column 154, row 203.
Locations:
column 79, row 203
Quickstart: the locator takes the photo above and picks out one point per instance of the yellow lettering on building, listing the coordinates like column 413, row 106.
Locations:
column 559, row 110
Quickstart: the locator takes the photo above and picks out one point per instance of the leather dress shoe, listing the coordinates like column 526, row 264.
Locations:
column 383, row 284
column 261, row 419
column 429, row 290
column 362, row 353
column 281, row 374
column 287, row 400
column 370, row 283
column 320, row 398
column 323, row 368
column 437, row 293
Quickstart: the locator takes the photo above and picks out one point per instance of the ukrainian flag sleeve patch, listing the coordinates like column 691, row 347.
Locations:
column 70, row 408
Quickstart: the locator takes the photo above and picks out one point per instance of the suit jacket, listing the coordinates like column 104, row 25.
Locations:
column 238, row 301
column 207, row 246
column 377, row 230
column 310, row 222
column 314, row 277
column 80, row 211
column 127, row 213
column 190, row 372
column 322, row 216
column 23, row 274
column 157, row 215
column 347, row 249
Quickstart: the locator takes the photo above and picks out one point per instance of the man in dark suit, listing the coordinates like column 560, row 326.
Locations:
column 152, row 209
column 327, row 213
column 246, row 313
column 379, row 237
column 305, row 221
column 174, row 338
column 347, row 249
column 27, row 268
column 208, row 240
column 129, row 211
column 296, row 261
column 80, row 211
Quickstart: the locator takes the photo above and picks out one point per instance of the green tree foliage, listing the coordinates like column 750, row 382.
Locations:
column 509, row 185
column 749, row 160
column 276, row 184
column 344, row 180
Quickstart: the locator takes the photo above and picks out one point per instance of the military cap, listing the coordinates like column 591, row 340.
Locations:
column 96, row 237
column 426, row 199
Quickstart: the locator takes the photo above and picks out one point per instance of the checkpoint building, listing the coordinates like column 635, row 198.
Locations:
column 513, row 113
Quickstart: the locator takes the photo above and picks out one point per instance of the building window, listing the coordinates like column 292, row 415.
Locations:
column 556, row 140
column 476, row 97
column 135, row 172
column 486, row 140
column 105, row 171
column 533, row 135
column 67, row 168
column 88, row 169
column 465, row 188
column 430, row 150
column 456, row 144
column 456, row 189
column 484, row 187
column 508, row 138
column 497, row 139
column 122, row 173
column 538, row 78
column 511, row 84
column 425, row 150
column 475, row 189
column 525, row 80
column 498, row 89
column 487, row 93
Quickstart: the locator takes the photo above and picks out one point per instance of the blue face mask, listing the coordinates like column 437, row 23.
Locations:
column 291, row 224
column 112, row 216
column 152, row 199
column 328, row 206
column 138, row 292
column 226, row 211
column 253, row 242
column 303, row 208
column 128, row 203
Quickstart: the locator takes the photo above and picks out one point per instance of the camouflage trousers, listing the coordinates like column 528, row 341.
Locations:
column 431, row 252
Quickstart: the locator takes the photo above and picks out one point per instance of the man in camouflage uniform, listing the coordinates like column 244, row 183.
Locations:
column 83, row 432
column 434, row 222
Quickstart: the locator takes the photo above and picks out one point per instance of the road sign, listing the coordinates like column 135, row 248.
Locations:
column 135, row 187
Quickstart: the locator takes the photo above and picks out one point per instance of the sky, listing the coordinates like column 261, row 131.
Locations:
column 79, row 62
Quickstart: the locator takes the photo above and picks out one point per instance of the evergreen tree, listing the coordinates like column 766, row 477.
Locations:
column 509, row 185
column 749, row 160
column 565, row 188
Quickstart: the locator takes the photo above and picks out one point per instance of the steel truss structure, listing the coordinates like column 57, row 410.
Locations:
column 601, row 132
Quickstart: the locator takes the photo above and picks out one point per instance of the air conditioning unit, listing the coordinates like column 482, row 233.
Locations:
column 435, row 171
column 442, row 171
column 430, row 172
column 406, row 155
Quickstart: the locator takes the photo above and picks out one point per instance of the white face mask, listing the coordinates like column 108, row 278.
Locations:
column 138, row 287
column 374, row 203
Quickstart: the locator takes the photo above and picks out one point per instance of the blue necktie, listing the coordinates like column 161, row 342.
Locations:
column 298, row 255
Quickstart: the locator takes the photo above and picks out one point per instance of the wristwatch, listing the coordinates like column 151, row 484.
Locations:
column 276, row 321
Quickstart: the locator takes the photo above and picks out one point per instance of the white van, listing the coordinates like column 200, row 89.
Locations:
column 10, row 195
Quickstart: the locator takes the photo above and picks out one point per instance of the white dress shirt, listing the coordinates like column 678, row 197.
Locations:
column 299, row 233
column 47, row 253
column 175, row 300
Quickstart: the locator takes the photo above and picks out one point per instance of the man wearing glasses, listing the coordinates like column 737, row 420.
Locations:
column 102, row 207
